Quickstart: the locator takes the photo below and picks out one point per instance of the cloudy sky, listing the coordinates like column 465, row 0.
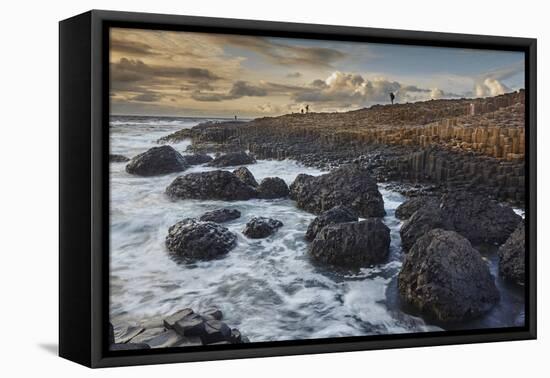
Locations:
column 198, row 74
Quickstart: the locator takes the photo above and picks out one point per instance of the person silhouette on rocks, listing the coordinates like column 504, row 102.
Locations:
column 307, row 108
column 392, row 97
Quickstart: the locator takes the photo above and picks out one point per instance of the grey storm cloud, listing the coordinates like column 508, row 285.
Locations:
column 147, row 97
column 127, row 70
column 238, row 89
column 294, row 75
column 131, row 47
column 287, row 55
column 244, row 89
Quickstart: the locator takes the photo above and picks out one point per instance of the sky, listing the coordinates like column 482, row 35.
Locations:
column 170, row 73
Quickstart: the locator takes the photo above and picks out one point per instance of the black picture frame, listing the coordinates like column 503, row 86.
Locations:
column 84, row 191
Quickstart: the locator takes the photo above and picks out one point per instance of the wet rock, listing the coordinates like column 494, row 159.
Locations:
column 261, row 227
column 192, row 240
column 479, row 219
column 338, row 214
column 236, row 337
column 177, row 316
column 177, row 136
column 421, row 222
column 352, row 244
column 349, row 185
column 512, row 256
column 195, row 159
column 157, row 161
column 232, row 159
column 273, row 187
column 220, row 215
column 213, row 313
column 158, row 338
column 444, row 277
column 191, row 325
column 212, row 185
column 410, row 206
column 246, row 176
column 215, row 332
column 128, row 346
column 114, row 158
column 124, row 333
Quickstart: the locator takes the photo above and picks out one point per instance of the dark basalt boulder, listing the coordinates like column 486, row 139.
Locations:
column 338, row 214
column 191, row 240
column 195, row 159
column 114, row 158
column 220, row 215
column 260, row 227
column 410, row 206
column 157, row 161
column 479, row 219
column 273, row 187
column 232, row 159
column 352, row 244
column 421, row 222
column 246, row 176
column 214, row 185
column 512, row 256
column 444, row 277
column 350, row 185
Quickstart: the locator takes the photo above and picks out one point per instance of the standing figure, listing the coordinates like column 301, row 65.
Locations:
column 392, row 97
column 235, row 117
column 307, row 108
column 302, row 111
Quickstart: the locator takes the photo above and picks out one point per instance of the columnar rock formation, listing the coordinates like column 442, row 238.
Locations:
column 454, row 143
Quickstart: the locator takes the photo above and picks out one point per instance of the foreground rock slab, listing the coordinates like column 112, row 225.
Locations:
column 181, row 329
column 349, row 185
column 191, row 240
column 260, row 227
column 352, row 244
column 512, row 256
column 444, row 277
column 338, row 214
column 214, row 185
column 157, row 161
column 232, row 159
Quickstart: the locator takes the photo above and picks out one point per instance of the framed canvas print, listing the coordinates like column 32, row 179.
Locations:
column 233, row 188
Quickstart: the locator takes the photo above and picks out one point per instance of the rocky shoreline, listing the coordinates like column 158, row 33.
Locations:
column 475, row 145
column 454, row 208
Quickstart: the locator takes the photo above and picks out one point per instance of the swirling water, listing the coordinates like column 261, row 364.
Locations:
column 267, row 288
